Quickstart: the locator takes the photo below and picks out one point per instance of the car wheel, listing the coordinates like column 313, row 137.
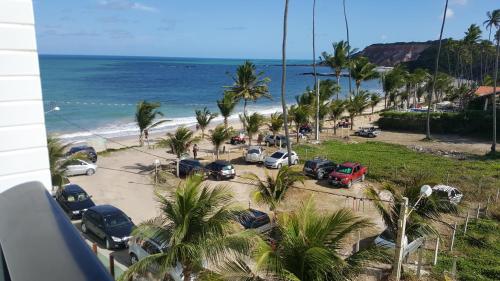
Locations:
column 349, row 185
column 320, row 175
column 109, row 245
column 133, row 259
column 371, row 135
column 363, row 177
column 84, row 228
column 90, row 172
column 295, row 162
column 279, row 166
column 218, row 177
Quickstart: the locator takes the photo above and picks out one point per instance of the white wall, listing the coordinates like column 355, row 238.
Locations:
column 23, row 147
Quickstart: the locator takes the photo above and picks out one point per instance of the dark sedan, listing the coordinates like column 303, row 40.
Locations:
column 89, row 151
column 74, row 200
column 220, row 170
column 109, row 224
column 253, row 219
column 189, row 167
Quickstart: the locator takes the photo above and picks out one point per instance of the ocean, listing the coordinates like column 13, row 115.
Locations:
column 98, row 94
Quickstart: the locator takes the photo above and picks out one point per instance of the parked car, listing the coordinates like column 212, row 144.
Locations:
column 255, row 154
column 305, row 129
column 253, row 219
column 238, row 139
column 220, row 170
column 369, row 132
column 450, row 192
column 89, row 151
column 280, row 158
column 343, row 123
column 275, row 140
column 319, row 168
column 189, row 167
column 347, row 173
column 80, row 167
column 109, row 224
column 139, row 248
column 74, row 200
column 387, row 240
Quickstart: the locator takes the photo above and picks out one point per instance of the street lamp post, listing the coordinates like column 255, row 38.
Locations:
column 425, row 191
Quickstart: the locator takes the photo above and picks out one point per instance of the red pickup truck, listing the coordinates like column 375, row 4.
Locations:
column 347, row 173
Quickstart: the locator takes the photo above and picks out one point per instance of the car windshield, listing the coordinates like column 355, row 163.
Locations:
column 115, row 220
column 228, row 167
column 253, row 151
column 277, row 155
column 344, row 170
column 387, row 235
column 77, row 197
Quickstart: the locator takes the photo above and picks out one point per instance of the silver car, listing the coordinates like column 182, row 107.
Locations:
column 280, row 158
column 255, row 154
column 80, row 167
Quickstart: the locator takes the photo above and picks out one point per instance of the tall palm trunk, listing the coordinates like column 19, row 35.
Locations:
column 494, row 99
column 314, row 70
column 244, row 112
column 338, row 84
column 283, row 83
column 225, row 122
column 436, row 66
column 348, row 49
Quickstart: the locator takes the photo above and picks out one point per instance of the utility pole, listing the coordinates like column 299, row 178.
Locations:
column 398, row 259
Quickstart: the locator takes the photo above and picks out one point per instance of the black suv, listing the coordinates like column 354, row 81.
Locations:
column 319, row 168
column 220, row 170
column 88, row 150
column 189, row 167
column 74, row 200
column 109, row 224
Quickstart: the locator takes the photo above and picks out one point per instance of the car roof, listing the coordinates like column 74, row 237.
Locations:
column 221, row 163
column 443, row 187
column 254, row 147
column 256, row 213
column 106, row 209
column 349, row 164
column 319, row 160
column 72, row 188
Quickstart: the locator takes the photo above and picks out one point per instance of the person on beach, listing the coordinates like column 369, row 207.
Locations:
column 195, row 151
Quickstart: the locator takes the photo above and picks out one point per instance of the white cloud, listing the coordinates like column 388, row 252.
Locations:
column 126, row 5
column 449, row 13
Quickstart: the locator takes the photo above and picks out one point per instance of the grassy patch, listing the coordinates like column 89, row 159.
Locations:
column 111, row 150
column 478, row 253
column 477, row 178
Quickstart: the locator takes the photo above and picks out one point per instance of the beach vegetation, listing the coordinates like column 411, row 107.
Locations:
column 57, row 161
column 252, row 123
column 299, row 114
column 249, row 85
column 226, row 106
column 276, row 122
column 197, row 224
column 180, row 141
column 362, row 70
column 374, row 100
column 204, row 117
column 337, row 108
column 338, row 60
column 357, row 104
column 219, row 136
column 145, row 115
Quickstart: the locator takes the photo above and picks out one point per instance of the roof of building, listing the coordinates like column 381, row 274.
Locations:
column 485, row 91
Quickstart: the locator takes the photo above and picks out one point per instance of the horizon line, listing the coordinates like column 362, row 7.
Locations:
column 168, row 57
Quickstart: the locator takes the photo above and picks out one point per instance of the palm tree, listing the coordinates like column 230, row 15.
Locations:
column 204, row 117
column 472, row 36
column 145, row 114
column 337, row 61
column 196, row 222
column 276, row 122
column 57, row 161
column 272, row 190
column 219, row 135
column 348, row 49
column 494, row 21
column 357, row 104
column 180, row 141
column 252, row 124
column 337, row 108
column 419, row 223
column 249, row 85
column 391, row 82
column 436, row 67
column 362, row 69
column 316, row 119
column 283, row 82
column 226, row 106
column 374, row 100
column 300, row 116
column 308, row 248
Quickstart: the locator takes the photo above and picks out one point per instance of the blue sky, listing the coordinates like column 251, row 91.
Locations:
column 239, row 28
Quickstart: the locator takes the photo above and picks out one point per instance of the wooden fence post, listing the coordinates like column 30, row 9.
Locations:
column 177, row 167
column 454, row 268
column 419, row 266
column 453, row 237
column 498, row 191
column 436, row 250
column 478, row 209
column 487, row 205
column 466, row 223
column 112, row 265
column 94, row 248
column 358, row 240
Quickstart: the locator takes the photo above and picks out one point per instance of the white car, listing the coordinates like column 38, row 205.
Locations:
column 386, row 240
column 453, row 194
column 280, row 158
column 80, row 167
column 140, row 248
column 255, row 154
column 275, row 140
